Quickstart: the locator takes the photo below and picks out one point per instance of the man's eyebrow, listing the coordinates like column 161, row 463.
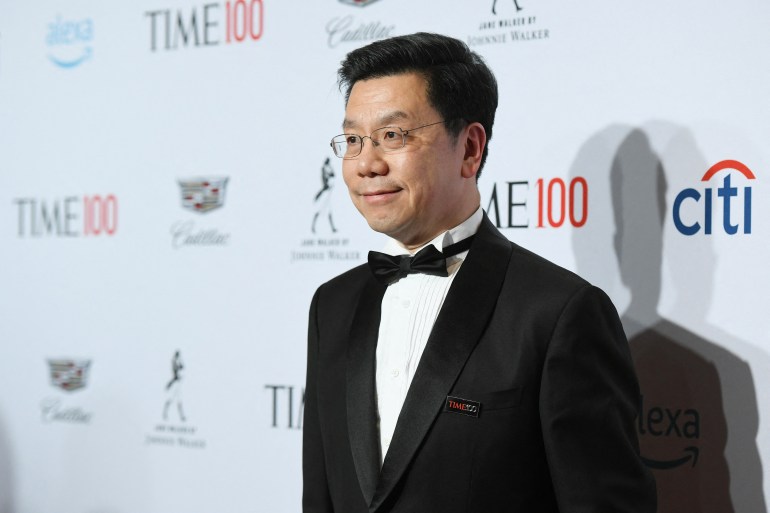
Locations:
column 383, row 120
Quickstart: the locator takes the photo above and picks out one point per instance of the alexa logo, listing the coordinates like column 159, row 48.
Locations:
column 696, row 210
column 70, row 41
column 359, row 3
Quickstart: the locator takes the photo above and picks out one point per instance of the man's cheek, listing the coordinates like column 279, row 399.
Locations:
column 348, row 179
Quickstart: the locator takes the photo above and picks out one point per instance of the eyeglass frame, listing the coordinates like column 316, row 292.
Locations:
column 404, row 133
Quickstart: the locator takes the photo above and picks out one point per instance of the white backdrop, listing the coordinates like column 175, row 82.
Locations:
column 109, row 269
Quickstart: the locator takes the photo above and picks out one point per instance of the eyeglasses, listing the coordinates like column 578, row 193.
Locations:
column 387, row 138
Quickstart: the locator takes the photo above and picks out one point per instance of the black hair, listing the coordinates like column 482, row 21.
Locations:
column 460, row 86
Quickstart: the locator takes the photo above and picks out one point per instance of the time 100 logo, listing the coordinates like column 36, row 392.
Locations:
column 557, row 203
column 201, row 26
column 90, row 215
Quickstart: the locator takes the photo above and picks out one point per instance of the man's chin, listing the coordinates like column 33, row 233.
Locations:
column 380, row 226
column 385, row 226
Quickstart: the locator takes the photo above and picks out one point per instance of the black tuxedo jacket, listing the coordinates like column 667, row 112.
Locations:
column 540, row 349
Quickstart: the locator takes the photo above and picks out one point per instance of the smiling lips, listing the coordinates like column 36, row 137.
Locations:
column 380, row 195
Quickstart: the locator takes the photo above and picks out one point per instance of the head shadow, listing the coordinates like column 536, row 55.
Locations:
column 694, row 392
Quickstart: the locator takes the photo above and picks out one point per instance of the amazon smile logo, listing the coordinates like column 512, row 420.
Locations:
column 663, row 432
column 690, row 454
column 70, row 42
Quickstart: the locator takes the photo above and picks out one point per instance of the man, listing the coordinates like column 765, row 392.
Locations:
column 496, row 382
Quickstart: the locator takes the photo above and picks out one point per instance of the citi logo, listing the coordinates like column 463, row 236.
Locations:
column 693, row 207
column 70, row 42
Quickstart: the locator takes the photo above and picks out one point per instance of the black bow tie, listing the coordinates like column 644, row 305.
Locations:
column 428, row 260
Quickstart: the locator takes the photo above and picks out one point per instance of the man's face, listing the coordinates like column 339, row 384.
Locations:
column 415, row 193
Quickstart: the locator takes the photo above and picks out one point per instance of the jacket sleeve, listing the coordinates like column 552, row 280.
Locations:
column 588, row 405
column 315, row 489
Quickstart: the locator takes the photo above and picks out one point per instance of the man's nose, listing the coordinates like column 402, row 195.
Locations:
column 370, row 161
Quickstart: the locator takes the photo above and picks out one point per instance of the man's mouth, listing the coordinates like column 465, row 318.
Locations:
column 380, row 194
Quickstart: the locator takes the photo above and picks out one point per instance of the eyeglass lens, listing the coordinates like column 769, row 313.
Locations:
column 388, row 138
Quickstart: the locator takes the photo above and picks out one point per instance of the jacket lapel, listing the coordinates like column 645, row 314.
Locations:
column 459, row 326
column 361, row 388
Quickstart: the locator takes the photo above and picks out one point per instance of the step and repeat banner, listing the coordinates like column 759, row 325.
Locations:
column 169, row 203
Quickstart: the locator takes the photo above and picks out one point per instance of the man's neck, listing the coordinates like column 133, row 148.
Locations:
column 413, row 248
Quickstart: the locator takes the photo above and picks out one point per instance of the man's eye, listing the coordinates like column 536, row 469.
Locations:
column 390, row 135
column 352, row 139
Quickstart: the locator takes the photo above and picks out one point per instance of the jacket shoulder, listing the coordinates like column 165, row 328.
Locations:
column 348, row 281
column 341, row 293
column 543, row 270
column 529, row 272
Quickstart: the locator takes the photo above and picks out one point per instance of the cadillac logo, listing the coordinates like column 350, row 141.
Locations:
column 69, row 375
column 203, row 194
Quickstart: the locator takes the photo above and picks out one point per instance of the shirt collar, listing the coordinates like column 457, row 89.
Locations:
column 462, row 231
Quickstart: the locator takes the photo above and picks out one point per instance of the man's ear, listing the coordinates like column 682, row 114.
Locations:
column 475, row 141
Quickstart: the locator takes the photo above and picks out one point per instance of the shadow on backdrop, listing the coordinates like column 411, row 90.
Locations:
column 695, row 393
column 6, row 473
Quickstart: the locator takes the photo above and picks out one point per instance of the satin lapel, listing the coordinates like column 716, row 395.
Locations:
column 461, row 323
column 361, row 388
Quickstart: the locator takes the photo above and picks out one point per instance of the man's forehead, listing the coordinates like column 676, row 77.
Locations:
column 379, row 119
column 380, row 101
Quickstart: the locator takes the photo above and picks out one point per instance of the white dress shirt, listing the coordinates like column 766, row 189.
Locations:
column 410, row 307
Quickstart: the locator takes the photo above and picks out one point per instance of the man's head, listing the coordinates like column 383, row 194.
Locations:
column 440, row 98
column 460, row 86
